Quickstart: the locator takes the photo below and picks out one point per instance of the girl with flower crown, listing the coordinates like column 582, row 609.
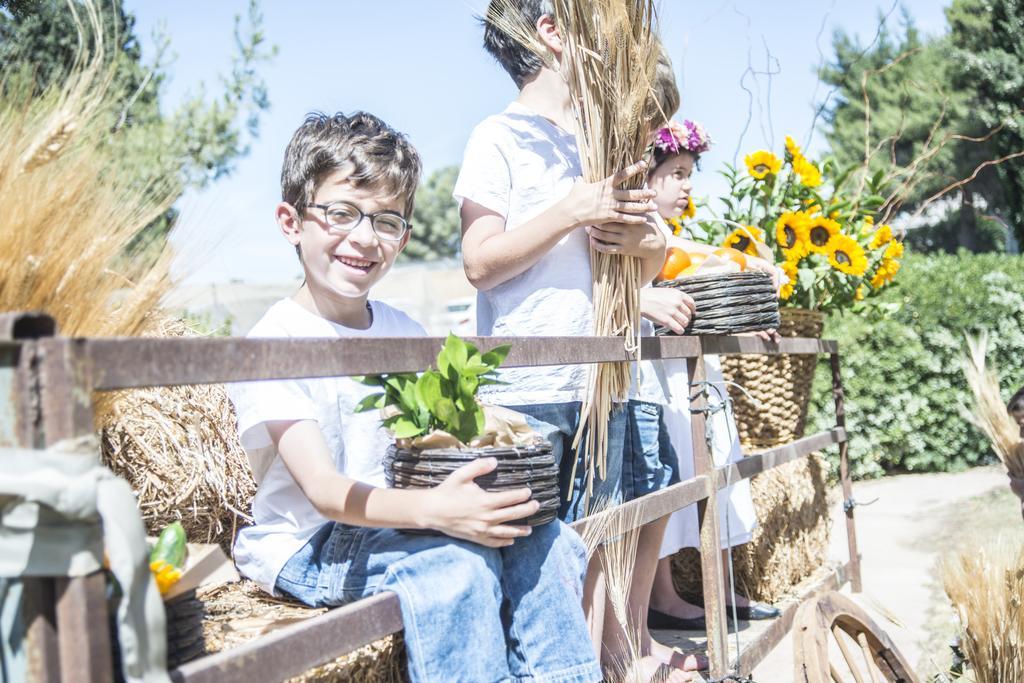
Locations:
column 676, row 152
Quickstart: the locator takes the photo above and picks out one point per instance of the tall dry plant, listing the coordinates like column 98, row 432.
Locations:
column 988, row 412
column 609, row 60
column 69, row 205
column 986, row 587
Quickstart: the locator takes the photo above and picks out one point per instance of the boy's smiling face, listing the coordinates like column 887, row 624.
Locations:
column 344, row 264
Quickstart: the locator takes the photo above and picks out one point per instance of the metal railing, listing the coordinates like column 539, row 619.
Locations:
column 50, row 381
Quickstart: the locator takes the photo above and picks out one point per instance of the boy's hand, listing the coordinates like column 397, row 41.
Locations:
column 461, row 509
column 642, row 241
column 603, row 202
column 667, row 307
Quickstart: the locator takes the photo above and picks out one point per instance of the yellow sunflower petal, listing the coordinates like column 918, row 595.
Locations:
column 894, row 250
column 881, row 237
column 846, row 255
column 791, row 229
column 819, row 233
column 762, row 163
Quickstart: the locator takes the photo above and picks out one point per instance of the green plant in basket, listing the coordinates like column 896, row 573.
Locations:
column 816, row 220
column 442, row 399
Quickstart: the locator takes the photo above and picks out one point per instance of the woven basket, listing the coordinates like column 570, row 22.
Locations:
column 728, row 304
column 781, row 384
column 529, row 466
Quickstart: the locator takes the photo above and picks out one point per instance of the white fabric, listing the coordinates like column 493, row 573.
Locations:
column 284, row 517
column 518, row 164
column 734, row 502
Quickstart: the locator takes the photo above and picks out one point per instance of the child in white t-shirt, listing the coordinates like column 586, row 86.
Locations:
column 488, row 599
column 528, row 224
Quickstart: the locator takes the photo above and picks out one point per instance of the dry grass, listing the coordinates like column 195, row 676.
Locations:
column 610, row 62
column 989, row 410
column 70, row 206
column 986, row 586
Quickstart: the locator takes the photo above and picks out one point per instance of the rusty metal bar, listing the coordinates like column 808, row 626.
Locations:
column 83, row 634
column 759, row 462
column 756, row 650
column 294, row 649
column 746, row 344
column 839, row 395
column 713, row 574
column 130, row 363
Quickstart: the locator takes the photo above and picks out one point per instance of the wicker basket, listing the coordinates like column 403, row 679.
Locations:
column 728, row 303
column 530, row 466
column 782, row 385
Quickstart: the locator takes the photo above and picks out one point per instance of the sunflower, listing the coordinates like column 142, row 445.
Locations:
column 860, row 293
column 791, row 268
column 794, row 149
column 786, row 291
column 676, row 224
column 762, row 163
column 846, row 255
column 886, row 273
column 881, row 237
column 791, row 229
column 894, row 250
column 810, row 175
column 744, row 239
column 691, row 209
column 819, row 232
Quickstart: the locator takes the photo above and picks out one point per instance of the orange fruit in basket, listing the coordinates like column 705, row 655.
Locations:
column 730, row 254
column 696, row 261
column 676, row 261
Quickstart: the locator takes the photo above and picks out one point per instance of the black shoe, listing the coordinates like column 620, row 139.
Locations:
column 757, row 611
column 660, row 620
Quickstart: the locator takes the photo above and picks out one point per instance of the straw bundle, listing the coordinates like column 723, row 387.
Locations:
column 230, row 615
column 610, row 60
column 986, row 587
column 178, row 448
column 989, row 411
column 70, row 203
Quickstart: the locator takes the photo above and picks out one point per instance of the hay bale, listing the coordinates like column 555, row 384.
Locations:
column 230, row 615
column 791, row 539
column 178, row 448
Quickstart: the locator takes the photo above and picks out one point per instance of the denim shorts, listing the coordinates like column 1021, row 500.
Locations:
column 649, row 461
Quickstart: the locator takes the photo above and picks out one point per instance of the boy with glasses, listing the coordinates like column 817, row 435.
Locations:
column 488, row 599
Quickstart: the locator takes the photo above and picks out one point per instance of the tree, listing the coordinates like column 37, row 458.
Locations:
column 437, row 228
column 200, row 141
column 900, row 108
column 988, row 37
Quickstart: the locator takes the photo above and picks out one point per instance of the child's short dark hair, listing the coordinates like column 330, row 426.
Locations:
column 1016, row 404
column 520, row 62
column 374, row 154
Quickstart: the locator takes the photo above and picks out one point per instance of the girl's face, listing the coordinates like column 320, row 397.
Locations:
column 671, row 180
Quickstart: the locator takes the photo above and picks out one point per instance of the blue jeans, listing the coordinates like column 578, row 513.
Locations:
column 558, row 422
column 470, row 613
column 649, row 462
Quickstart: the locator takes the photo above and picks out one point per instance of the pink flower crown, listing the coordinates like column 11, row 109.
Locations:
column 687, row 136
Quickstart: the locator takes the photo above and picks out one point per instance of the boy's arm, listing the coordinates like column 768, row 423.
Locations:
column 458, row 507
column 491, row 255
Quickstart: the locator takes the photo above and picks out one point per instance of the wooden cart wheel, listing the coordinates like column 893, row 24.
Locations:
column 867, row 653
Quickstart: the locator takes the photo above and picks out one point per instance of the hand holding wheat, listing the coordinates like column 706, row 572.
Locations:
column 606, row 202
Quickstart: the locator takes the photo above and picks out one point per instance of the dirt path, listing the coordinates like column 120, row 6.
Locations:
column 897, row 559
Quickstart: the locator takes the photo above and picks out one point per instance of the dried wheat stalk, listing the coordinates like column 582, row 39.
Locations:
column 989, row 411
column 986, row 586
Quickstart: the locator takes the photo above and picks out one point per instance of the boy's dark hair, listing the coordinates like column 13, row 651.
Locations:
column 516, row 59
column 1016, row 403
column 374, row 154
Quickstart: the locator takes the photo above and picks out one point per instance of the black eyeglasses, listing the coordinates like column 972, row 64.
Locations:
column 343, row 217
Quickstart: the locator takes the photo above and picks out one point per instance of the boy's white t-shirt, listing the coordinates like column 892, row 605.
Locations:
column 284, row 518
column 518, row 164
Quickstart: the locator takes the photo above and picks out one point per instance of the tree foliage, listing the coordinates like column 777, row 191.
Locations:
column 910, row 105
column 200, row 140
column 437, row 228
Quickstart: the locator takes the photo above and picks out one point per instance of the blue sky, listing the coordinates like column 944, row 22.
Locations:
column 418, row 64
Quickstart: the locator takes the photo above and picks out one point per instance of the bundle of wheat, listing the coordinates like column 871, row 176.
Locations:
column 986, row 587
column 989, row 410
column 609, row 60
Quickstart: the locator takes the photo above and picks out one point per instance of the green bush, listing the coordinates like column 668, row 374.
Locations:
column 901, row 369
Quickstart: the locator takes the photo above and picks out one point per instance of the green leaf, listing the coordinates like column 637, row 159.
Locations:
column 402, row 427
column 444, row 410
column 428, row 389
column 371, row 402
column 806, row 277
column 369, row 380
column 496, row 356
column 458, row 354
